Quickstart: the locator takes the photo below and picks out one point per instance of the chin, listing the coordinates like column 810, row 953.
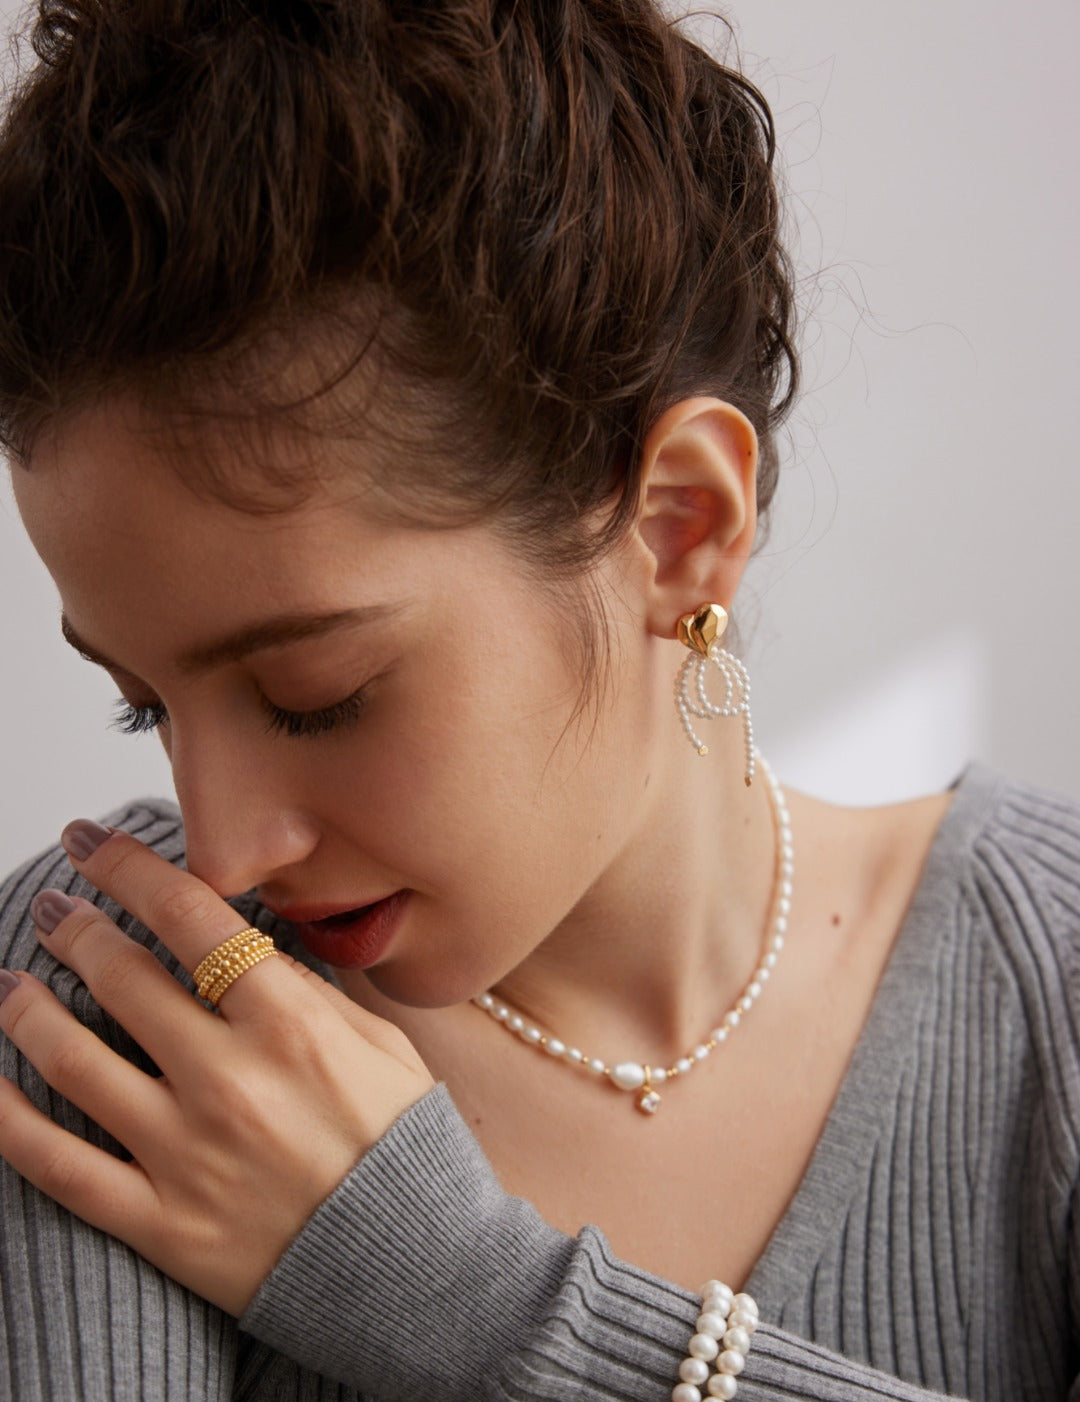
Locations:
column 428, row 985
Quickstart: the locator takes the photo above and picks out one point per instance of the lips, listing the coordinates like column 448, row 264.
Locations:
column 349, row 939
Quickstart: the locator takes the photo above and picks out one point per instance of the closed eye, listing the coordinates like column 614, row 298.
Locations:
column 142, row 720
column 138, row 720
column 340, row 714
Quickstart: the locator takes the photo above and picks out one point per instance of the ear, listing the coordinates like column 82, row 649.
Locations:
column 698, row 511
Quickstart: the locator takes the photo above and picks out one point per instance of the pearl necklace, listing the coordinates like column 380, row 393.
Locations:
column 639, row 1076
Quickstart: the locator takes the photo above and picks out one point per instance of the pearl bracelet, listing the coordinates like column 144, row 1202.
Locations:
column 722, row 1336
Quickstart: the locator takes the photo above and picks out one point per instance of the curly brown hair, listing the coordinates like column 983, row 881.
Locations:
column 550, row 218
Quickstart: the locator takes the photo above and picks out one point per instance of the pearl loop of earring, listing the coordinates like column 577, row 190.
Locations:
column 701, row 632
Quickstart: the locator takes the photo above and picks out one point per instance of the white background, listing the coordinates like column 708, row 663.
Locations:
column 915, row 605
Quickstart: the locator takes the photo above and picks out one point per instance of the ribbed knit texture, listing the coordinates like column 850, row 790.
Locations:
column 935, row 1237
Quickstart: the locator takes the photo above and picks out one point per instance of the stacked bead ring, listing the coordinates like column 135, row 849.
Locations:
column 233, row 957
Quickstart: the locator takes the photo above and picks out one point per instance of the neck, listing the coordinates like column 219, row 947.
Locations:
column 666, row 942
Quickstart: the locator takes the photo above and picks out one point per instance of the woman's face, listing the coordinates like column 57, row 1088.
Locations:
column 357, row 714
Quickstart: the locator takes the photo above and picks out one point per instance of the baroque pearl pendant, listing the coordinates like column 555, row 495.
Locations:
column 628, row 1075
column 639, row 1076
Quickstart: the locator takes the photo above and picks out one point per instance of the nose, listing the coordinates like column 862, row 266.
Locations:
column 242, row 823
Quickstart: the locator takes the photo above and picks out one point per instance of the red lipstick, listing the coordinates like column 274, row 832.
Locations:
column 349, row 939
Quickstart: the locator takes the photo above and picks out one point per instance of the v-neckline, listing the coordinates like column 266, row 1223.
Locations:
column 870, row 1084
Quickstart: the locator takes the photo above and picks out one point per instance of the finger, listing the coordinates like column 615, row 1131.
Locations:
column 125, row 1101
column 123, row 976
column 101, row 1189
column 187, row 916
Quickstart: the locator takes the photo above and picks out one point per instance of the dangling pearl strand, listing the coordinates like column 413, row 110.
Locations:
column 691, row 700
column 639, row 1076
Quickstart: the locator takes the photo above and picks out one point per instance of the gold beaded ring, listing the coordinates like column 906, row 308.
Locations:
column 233, row 957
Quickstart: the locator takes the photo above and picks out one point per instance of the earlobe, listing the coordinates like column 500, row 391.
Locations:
column 697, row 517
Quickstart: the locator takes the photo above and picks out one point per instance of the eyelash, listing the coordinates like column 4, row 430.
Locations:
column 140, row 720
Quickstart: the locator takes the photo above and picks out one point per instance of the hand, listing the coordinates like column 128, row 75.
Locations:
column 260, row 1111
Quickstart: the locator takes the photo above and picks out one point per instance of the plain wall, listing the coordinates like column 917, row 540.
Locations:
column 914, row 605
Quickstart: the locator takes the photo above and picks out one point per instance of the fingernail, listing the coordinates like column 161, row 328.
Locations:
column 48, row 908
column 82, row 838
column 8, row 981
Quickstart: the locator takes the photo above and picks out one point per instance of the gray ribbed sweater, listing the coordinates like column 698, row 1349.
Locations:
column 935, row 1237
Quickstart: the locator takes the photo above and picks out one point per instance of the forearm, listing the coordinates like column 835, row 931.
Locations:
column 421, row 1277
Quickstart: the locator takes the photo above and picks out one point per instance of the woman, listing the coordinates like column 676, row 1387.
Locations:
column 392, row 398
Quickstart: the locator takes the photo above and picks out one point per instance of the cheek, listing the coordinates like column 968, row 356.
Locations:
column 469, row 779
column 450, row 780
column 509, row 797
column 496, row 818
column 437, row 795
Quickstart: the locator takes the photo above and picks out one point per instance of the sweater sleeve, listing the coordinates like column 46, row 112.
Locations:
column 82, row 1315
column 419, row 1276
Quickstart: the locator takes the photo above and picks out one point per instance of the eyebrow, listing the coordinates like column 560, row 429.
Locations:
column 234, row 647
